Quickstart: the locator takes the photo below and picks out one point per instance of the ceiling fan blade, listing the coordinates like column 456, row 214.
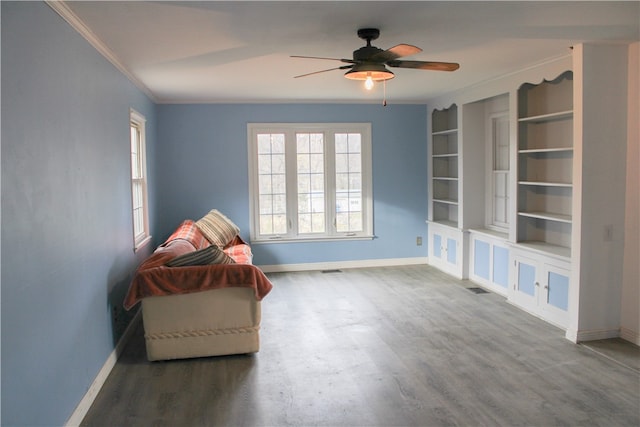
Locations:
column 344, row 67
column 395, row 52
column 350, row 61
column 425, row 65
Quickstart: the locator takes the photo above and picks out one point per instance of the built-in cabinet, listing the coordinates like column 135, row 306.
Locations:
column 552, row 203
column 446, row 247
column 489, row 260
column 540, row 285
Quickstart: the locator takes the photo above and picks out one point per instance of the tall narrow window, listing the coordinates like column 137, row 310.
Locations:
column 310, row 176
column 310, row 181
column 272, row 189
column 349, row 182
column 139, row 180
column 499, row 187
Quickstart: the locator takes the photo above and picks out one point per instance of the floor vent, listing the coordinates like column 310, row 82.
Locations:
column 478, row 290
column 332, row 271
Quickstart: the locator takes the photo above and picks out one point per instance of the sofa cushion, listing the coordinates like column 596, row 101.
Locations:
column 217, row 228
column 209, row 255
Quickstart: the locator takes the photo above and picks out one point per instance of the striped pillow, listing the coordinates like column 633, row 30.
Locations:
column 206, row 256
column 217, row 228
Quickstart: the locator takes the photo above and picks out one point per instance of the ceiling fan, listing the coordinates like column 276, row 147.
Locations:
column 370, row 63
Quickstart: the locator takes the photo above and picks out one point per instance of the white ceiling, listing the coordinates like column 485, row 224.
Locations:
column 238, row 51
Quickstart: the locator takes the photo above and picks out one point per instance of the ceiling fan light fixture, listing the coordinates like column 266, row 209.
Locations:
column 377, row 72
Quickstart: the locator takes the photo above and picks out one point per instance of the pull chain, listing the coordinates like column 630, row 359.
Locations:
column 384, row 92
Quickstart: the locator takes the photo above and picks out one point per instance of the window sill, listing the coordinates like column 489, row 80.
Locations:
column 144, row 242
column 310, row 239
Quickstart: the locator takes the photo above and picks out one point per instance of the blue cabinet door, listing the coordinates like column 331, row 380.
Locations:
column 558, row 290
column 526, row 282
column 452, row 251
column 437, row 245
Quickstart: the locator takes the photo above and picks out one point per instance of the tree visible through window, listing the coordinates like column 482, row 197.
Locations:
column 310, row 181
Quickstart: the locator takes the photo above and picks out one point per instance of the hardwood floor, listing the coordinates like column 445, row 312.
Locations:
column 393, row 346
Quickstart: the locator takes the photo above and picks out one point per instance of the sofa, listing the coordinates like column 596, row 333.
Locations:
column 200, row 293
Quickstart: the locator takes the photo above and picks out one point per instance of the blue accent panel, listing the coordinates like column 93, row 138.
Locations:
column 558, row 290
column 526, row 278
column 451, row 250
column 437, row 246
column 206, row 147
column 67, row 237
column 501, row 266
column 481, row 254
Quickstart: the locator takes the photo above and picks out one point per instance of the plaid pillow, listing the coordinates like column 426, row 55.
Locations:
column 240, row 253
column 217, row 228
column 206, row 256
column 189, row 232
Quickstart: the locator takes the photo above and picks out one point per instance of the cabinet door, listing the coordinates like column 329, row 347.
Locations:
column 525, row 283
column 444, row 250
column 554, row 298
column 437, row 246
column 452, row 251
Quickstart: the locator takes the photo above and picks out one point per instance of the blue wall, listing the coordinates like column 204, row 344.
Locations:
column 66, row 247
column 67, row 254
column 202, row 153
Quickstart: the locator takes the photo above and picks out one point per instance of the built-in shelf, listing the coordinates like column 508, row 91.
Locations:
column 547, row 150
column 445, row 132
column 549, row 216
column 545, row 248
column 561, row 115
column 444, row 166
column 447, row 201
column 546, row 184
column 445, row 222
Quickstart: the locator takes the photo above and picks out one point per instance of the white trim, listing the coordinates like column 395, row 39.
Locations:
column 139, row 122
column 364, row 263
column 329, row 130
column 629, row 335
column 599, row 334
column 85, row 404
column 76, row 23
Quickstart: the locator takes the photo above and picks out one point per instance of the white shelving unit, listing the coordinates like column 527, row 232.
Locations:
column 444, row 166
column 563, row 241
column 545, row 165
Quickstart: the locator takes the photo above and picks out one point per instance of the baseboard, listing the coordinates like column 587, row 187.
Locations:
column 86, row 402
column 387, row 262
column 601, row 334
column 629, row 335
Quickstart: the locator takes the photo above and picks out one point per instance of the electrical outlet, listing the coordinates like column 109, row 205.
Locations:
column 419, row 241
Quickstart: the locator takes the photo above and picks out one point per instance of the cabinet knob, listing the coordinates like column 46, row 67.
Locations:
column 537, row 284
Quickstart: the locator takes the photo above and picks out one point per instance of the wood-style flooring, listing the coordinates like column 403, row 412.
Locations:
column 392, row 346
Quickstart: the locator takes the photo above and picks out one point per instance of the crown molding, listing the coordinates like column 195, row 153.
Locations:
column 76, row 23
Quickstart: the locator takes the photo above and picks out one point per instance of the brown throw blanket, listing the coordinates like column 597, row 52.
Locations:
column 154, row 278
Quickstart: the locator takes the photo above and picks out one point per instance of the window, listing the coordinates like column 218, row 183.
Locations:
column 310, row 181
column 498, row 179
column 139, row 181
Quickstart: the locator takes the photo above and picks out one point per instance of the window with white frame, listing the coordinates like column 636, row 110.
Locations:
column 139, row 180
column 310, row 181
column 498, row 179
